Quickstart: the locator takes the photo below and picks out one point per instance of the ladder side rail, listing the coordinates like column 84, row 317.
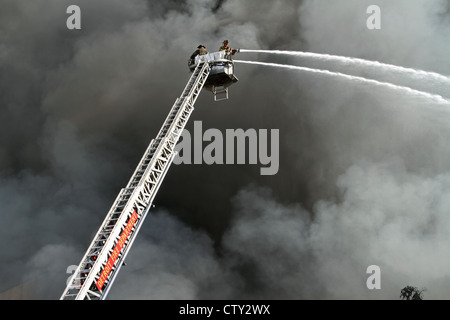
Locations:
column 114, row 235
column 179, row 103
column 164, row 156
column 193, row 81
column 83, row 266
column 134, row 234
column 199, row 69
column 109, row 220
column 188, row 102
column 177, row 124
column 131, row 206
column 85, row 261
column 144, row 158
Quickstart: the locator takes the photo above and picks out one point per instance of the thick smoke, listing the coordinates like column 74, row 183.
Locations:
column 364, row 175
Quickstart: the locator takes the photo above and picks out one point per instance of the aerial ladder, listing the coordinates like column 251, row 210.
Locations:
column 106, row 254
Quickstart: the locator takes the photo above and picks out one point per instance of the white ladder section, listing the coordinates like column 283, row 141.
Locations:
column 100, row 265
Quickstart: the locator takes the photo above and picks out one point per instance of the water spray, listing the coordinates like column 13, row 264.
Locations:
column 436, row 98
column 358, row 61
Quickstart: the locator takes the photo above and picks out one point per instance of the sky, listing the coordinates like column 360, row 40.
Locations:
column 363, row 179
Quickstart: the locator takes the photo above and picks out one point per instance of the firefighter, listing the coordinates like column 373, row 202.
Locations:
column 201, row 50
column 225, row 46
column 227, row 49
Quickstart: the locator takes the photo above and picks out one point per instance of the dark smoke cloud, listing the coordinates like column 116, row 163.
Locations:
column 364, row 172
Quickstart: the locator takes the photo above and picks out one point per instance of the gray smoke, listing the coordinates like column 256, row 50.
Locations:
column 364, row 176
